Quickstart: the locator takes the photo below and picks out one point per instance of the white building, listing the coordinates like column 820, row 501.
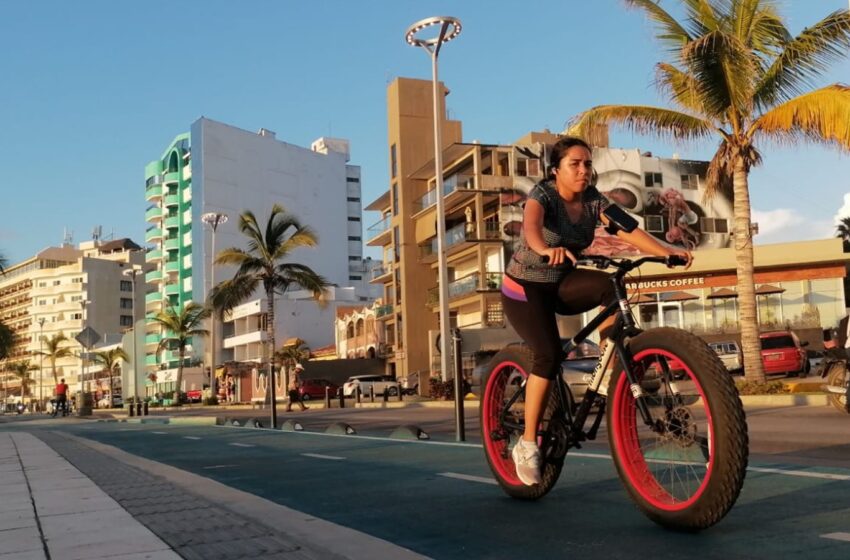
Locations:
column 218, row 168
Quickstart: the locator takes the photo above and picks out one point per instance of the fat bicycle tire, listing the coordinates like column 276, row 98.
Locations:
column 837, row 377
column 689, row 476
column 507, row 370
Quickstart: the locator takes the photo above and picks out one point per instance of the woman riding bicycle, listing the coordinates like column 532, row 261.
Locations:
column 559, row 222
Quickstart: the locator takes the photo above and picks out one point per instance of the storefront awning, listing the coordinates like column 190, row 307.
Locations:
column 722, row 293
column 766, row 289
column 642, row 298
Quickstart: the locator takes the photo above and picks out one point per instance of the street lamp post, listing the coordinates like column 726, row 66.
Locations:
column 213, row 219
column 40, row 362
column 449, row 28
column 82, row 401
column 132, row 273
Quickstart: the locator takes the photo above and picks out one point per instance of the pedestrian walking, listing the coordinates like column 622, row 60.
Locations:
column 295, row 383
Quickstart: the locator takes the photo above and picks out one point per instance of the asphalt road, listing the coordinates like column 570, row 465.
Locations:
column 438, row 498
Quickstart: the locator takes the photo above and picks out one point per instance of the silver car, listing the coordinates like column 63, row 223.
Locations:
column 365, row 382
column 729, row 353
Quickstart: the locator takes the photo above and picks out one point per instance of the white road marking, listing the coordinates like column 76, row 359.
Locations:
column 219, row 466
column 191, row 437
column 805, row 474
column 468, row 477
column 837, row 536
column 128, row 430
column 160, row 433
column 242, row 444
column 319, row 456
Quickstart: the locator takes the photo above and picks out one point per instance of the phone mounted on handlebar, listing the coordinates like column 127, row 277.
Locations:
column 619, row 220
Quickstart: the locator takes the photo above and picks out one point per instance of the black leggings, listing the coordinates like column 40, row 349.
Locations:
column 534, row 320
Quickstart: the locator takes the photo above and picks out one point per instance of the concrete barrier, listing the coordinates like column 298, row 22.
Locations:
column 341, row 429
column 409, row 431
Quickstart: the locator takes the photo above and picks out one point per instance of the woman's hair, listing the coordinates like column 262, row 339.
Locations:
column 560, row 149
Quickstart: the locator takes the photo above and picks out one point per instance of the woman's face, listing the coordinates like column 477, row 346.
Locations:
column 574, row 170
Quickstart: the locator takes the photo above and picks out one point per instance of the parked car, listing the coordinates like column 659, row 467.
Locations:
column 195, row 395
column 782, row 352
column 117, row 401
column 730, row 354
column 815, row 358
column 377, row 382
column 315, row 389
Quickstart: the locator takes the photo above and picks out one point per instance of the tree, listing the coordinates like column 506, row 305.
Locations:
column 53, row 351
column 843, row 232
column 738, row 74
column 262, row 265
column 290, row 355
column 180, row 326
column 7, row 340
column 111, row 360
column 22, row 370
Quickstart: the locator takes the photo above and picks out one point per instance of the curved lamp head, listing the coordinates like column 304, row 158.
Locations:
column 449, row 28
column 214, row 218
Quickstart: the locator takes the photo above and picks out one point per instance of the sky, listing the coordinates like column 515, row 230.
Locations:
column 93, row 90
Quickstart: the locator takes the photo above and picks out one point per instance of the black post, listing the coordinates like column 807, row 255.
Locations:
column 273, row 397
column 139, row 409
column 132, row 406
column 460, row 433
column 357, row 389
column 146, row 407
column 386, row 393
column 327, row 397
column 341, row 398
column 372, row 393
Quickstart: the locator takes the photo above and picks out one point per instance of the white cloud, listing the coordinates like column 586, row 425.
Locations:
column 844, row 211
column 784, row 225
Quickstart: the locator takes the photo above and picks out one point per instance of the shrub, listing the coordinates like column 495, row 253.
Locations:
column 769, row 388
column 442, row 390
column 209, row 401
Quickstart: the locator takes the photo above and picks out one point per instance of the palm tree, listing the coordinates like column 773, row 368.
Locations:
column 843, row 232
column 22, row 370
column 53, row 351
column 111, row 360
column 180, row 326
column 7, row 340
column 290, row 355
column 262, row 265
column 738, row 74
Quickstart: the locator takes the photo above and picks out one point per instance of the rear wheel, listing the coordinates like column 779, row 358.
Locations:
column 686, row 470
column 837, row 377
column 509, row 368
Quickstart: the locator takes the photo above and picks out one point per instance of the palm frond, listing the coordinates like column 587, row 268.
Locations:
column 671, row 32
column 304, row 236
column 821, row 116
column 232, row 256
column 803, row 59
column 662, row 123
column 230, row 293
column 249, row 226
column 720, row 169
column 680, row 87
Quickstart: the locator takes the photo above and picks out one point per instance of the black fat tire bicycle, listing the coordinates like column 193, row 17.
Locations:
column 676, row 425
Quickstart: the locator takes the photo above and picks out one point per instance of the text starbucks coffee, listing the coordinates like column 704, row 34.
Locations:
column 669, row 283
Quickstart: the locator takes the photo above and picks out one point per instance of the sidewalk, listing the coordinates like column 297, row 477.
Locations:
column 49, row 509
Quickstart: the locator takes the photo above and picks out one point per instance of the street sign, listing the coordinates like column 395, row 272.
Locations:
column 88, row 337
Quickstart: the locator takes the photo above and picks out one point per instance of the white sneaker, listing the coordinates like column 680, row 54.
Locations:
column 527, row 462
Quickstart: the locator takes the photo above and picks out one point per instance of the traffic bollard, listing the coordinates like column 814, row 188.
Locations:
column 132, row 406
column 327, row 397
column 358, row 394
column 341, row 398
column 372, row 393
column 386, row 394
column 146, row 407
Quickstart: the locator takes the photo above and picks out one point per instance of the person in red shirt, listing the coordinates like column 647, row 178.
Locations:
column 62, row 395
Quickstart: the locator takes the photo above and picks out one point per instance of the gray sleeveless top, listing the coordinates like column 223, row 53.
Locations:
column 558, row 231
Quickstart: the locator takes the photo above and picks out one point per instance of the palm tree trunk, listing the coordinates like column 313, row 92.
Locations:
column 270, row 331
column 111, row 390
column 180, row 356
column 743, row 239
column 53, row 367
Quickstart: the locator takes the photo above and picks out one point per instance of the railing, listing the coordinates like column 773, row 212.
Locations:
column 377, row 229
column 450, row 184
column 384, row 310
column 379, row 271
column 467, row 285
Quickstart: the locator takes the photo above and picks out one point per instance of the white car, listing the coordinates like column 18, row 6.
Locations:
column 117, row 401
column 376, row 382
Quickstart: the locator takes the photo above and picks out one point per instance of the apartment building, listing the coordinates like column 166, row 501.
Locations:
column 223, row 169
column 61, row 291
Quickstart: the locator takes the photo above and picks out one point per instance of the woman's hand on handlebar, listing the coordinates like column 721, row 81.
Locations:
column 680, row 257
column 557, row 255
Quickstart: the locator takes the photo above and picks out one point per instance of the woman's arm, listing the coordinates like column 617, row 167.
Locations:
column 649, row 244
column 532, row 224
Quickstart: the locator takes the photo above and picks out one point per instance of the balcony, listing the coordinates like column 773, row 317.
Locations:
column 150, row 360
column 457, row 237
column 381, row 273
column 153, row 297
column 375, row 233
column 172, row 289
column 153, row 214
column 247, row 338
column 172, row 266
column 152, row 339
column 172, row 177
column 153, row 192
column 171, row 243
column 153, row 255
column 153, row 276
column 457, row 183
column 171, row 200
column 469, row 284
column 383, row 310
column 153, row 234
column 172, row 221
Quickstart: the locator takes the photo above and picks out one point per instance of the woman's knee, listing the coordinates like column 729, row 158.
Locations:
column 546, row 364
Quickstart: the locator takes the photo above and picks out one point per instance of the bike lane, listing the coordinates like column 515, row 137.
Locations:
column 440, row 501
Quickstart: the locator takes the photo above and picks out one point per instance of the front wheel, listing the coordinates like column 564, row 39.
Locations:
column 837, row 377
column 508, row 369
column 686, row 470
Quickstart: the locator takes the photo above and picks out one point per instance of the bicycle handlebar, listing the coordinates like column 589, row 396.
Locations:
column 626, row 264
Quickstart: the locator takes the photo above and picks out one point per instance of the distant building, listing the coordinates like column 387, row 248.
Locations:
column 43, row 297
column 220, row 168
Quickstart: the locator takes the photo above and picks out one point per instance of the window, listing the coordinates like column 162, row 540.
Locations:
column 77, row 280
column 353, row 219
column 354, row 238
column 126, row 303
column 393, row 162
column 690, row 182
column 76, row 298
column 126, row 320
column 352, row 179
column 57, row 282
column 355, row 278
column 353, row 199
column 126, row 286
column 654, row 224
column 76, row 316
column 395, row 202
column 713, row 225
column 653, row 179
column 353, row 258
